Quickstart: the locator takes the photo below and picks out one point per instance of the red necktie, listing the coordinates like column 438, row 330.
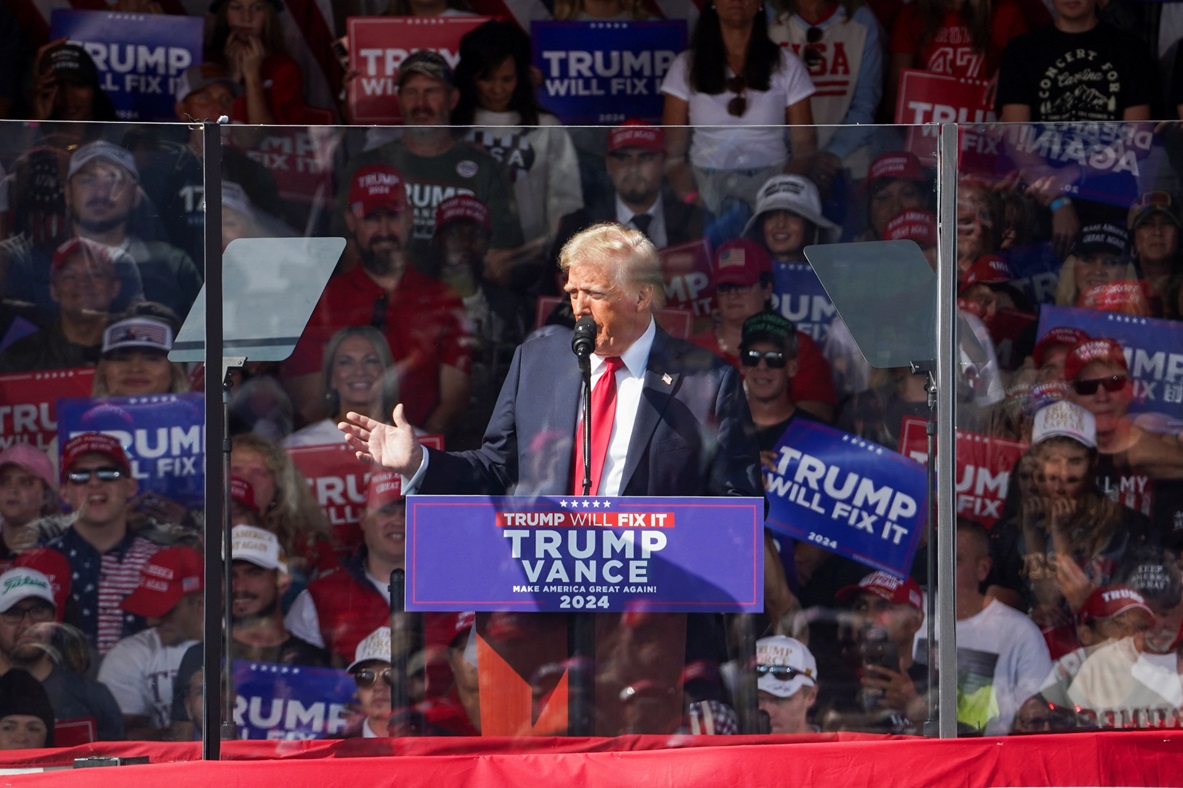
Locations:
column 603, row 411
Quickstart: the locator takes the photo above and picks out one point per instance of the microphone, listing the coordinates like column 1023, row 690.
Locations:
column 583, row 341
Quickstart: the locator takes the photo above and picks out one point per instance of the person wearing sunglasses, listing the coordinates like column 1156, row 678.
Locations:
column 371, row 672
column 743, row 288
column 105, row 552
column 1140, row 459
column 733, row 75
column 28, row 617
column 786, row 680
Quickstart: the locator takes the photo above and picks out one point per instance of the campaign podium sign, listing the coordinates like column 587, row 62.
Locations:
column 139, row 57
column 379, row 45
column 596, row 73
column 847, row 495
column 577, row 553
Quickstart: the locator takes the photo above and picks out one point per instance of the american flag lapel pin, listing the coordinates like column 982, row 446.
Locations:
column 666, row 379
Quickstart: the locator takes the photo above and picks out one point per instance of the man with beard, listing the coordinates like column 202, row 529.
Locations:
column 497, row 316
column 636, row 166
column 28, row 614
column 259, row 574
column 102, row 192
column 105, row 555
column 422, row 319
column 437, row 164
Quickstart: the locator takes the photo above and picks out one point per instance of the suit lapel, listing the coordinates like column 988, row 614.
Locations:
column 661, row 381
column 563, row 412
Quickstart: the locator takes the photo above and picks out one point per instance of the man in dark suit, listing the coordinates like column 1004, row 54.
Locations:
column 678, row 429
column 636, row 167
column 680, row 412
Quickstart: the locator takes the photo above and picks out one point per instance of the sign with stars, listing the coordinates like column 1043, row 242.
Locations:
column 1153, row 352
column 850, row 496
column 585, row 553
column 291, row 701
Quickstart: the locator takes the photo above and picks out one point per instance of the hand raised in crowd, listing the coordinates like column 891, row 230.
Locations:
column 392, row 446
column 249, row 56
column 1047, row 186
column 46, row 89
column 1074, row 583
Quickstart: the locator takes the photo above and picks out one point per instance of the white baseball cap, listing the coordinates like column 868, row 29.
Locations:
column 1065, row 419
column 375, row 646
column 783, row 666
column 22, row 583
column 257, row 546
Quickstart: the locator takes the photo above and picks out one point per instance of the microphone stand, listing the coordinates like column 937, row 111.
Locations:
column 585, row 411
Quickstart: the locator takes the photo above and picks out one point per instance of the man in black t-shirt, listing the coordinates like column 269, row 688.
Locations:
column 1076, row 69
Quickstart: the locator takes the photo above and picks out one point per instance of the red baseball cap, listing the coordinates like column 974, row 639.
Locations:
column 1085, row 353
column 242, row 493
column 912, row 225
column 1057, row 335
column 378, row 186
column 462, row 206
column 94, row 252
column 1111, row 601
column 93, row 443
column 170, row 574
column 885, row 586
column 741, row 262
column 988, row 269
column 897, row 165
column 634, row 133
column 383, row 489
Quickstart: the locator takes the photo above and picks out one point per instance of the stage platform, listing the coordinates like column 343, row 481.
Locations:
column 1141, row 758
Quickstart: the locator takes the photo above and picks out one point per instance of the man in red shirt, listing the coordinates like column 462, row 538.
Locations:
column 423, row 320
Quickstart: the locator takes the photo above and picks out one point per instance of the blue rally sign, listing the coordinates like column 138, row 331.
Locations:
column 1153, row 352
column 290, row 701
column 798, row 295
column 850, row 496
column 139, row 56
column 163, row 434
column 585, row 553
column 605, row 72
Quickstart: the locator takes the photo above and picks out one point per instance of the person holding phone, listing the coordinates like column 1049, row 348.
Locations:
column 888, row 612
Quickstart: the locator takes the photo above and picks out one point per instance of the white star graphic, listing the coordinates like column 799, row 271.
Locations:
column 563, row 504
column 607, row 504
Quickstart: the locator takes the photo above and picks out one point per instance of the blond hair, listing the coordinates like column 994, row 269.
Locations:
column 629, row 253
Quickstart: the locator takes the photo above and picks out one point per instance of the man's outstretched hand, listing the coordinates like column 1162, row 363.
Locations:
column 392, row 446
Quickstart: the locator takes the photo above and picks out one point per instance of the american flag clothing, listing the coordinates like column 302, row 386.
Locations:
column 99, row 582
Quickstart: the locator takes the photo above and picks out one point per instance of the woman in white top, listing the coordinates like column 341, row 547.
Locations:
column 356, row 362
column 497, row 97
column 734, row 75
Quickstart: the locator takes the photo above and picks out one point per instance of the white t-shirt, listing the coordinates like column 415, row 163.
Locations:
column 139, row 670
column 759, row 140
column 1116, row 677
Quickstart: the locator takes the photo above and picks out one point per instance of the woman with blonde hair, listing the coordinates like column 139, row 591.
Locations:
column 1100, row 257
column 356, row 362
column 286, row 507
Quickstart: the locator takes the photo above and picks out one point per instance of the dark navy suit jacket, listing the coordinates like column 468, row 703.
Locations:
column 688, row 438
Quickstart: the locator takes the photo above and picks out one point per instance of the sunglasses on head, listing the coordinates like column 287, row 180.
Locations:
column 778, row 672
column 738, row 105
column 775, row 359
column 1088, row 387
column 366, row 677
column 82, row 475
